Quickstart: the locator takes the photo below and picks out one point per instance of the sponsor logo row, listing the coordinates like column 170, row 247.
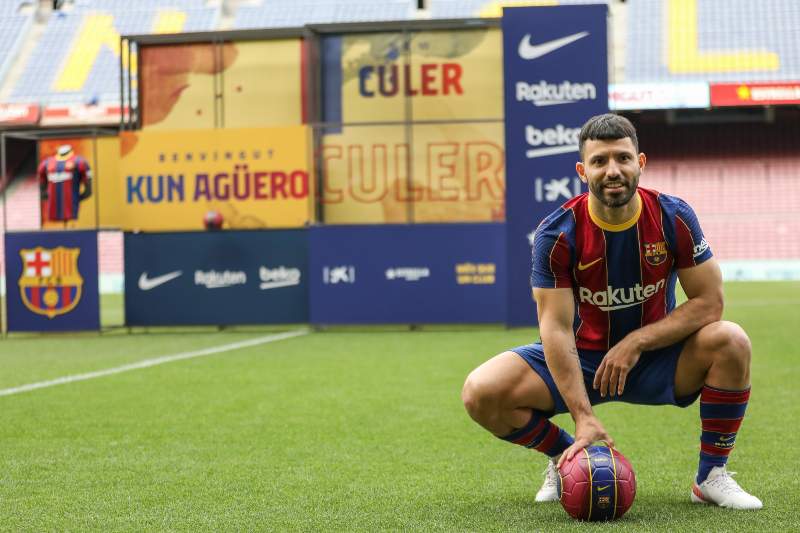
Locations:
column 464, row 274
column 269, row 278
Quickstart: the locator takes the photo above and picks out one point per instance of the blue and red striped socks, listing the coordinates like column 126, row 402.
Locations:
column 541, row 435
column 721, row 413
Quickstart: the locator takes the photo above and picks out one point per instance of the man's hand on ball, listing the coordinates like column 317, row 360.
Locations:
column 587, row 431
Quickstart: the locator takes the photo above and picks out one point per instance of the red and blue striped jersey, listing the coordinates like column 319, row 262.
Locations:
column 62, row 179
column 622, row 276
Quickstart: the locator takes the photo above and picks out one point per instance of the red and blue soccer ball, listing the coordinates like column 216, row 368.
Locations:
column 598, row 483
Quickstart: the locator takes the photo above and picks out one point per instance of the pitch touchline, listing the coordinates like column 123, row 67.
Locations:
column 153, row 362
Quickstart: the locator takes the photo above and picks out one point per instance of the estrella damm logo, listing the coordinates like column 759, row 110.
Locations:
column 655, row 252
column 50, row 283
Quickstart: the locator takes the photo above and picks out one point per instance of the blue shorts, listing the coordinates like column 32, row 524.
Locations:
column 650, row 382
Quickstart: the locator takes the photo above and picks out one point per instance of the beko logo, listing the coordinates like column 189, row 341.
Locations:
column 274, row 278
column 551, row 141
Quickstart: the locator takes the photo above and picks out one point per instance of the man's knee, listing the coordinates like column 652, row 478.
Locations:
column 479, row 395
column 729, row 343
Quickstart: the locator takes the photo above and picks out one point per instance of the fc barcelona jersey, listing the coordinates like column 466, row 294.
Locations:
column 62, row 179
column 622, row 276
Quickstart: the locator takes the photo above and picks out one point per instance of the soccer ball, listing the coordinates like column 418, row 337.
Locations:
column 212, row 220
column 598, row 483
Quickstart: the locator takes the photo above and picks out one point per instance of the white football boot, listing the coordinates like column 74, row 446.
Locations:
column 721, row 489
column 549, row 490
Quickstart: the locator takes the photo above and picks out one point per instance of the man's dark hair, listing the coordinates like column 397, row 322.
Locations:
column 608, row 127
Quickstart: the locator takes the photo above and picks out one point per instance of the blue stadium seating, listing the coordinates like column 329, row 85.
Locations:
column 13, row 28
column 37, row 83
column 727, row 27
column 455, row 9
column 293, row 13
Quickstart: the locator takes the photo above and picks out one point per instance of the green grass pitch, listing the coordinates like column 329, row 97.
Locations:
column 351, row 430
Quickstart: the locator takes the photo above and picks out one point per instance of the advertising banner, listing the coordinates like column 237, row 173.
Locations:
column 51, row 281
column 556, row 77
column 755, row 94
column 253, row 178
column 261, row 84
column 622, row 96
column 438, row 273
column 442, row 75
column 216, row 278
column 19, row 114
column 457, row 174
column 443, row 172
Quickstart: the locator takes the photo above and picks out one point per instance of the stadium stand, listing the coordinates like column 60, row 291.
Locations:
column 76, row 59
column 712, row 40
column 290, row 13
column 447, row 9
column 14, row 26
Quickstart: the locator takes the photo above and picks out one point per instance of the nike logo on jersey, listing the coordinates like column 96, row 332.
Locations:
column 581, row 266
column 146, row 283
column 533, row 51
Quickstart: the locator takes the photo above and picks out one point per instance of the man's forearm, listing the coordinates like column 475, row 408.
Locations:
column 562, row 360
column 687, row 318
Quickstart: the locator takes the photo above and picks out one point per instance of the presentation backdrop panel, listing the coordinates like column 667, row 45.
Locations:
column 195, row 278
column 51, row 281
column 457, row 174
column 444, row 75
column 262, row 84
column 170, row 181
column 556, row 77
column 407, row 274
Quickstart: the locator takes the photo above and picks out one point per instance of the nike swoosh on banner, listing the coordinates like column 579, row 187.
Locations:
column 532, row 51
column 146, row 283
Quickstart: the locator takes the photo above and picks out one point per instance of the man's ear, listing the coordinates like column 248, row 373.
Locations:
column 581, row 170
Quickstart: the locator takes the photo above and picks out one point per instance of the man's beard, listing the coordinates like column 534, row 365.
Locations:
column 617, row 199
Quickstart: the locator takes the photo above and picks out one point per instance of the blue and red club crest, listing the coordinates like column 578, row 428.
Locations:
column 50, row 283
column 655, row 252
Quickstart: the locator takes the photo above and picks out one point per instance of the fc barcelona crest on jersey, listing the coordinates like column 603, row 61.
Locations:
column 50, row 283
column 655, row 253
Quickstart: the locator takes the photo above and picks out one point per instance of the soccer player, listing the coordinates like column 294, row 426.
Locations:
column 64, row 181
column 604, row 270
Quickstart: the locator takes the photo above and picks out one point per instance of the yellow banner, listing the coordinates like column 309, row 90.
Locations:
column 457, row 174
column 253, row 178
column 261, row 84
column 443, row 75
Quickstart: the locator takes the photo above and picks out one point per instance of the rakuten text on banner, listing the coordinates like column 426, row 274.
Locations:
column 556, row 77
column 170, row 181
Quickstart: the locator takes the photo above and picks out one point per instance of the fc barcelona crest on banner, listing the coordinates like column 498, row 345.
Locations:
column 51, row 283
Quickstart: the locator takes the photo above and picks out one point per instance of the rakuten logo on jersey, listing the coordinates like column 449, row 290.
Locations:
column 551, row 141
column 613, row 298
column 566, row 92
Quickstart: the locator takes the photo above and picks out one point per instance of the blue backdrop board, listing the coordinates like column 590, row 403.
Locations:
column 51, row 281
column 230, row 277
column 408, row 274
column 555, row 69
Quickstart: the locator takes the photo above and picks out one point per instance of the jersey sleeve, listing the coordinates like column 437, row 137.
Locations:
column 691, row 246
column 551, row 260
column 84, row 170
